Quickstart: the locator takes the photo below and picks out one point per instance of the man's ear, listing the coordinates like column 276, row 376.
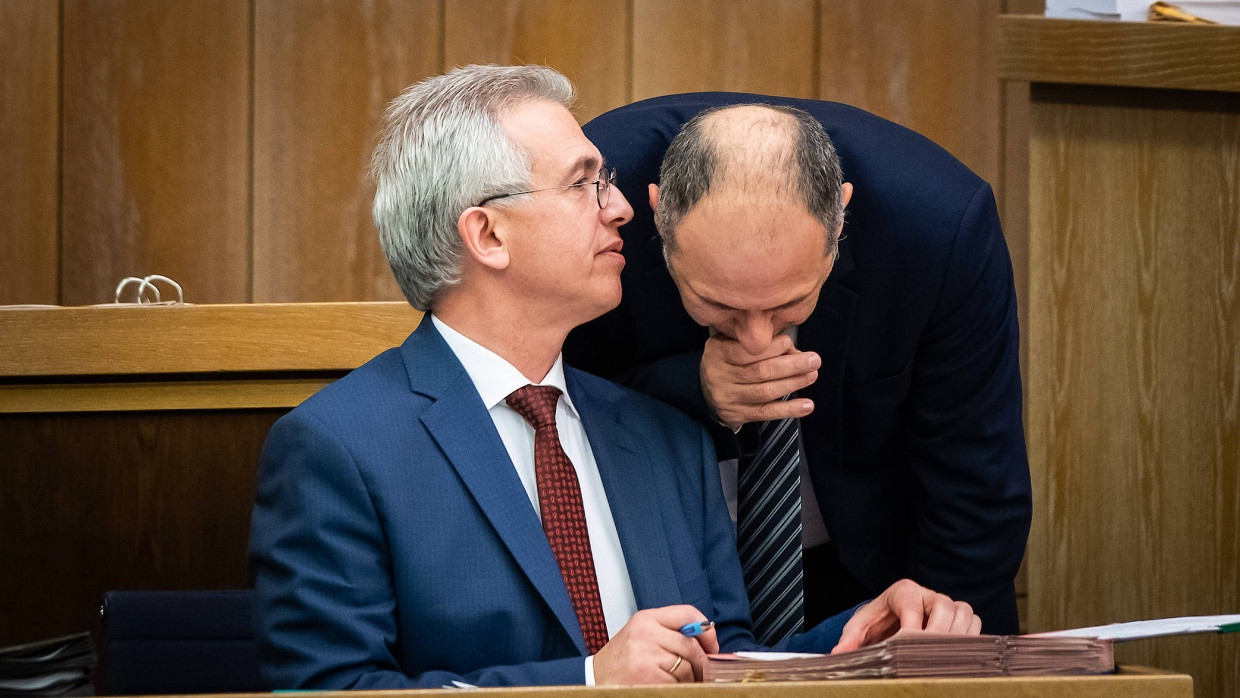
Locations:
column 654, row 197
column 478, row 228
column 846, row 192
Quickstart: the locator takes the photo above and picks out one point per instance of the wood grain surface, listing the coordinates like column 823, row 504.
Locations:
column 586, row 41
column 935, row 72
column 694, row 45
column 95, row 502
column 323, row 72
column 1133, row 409
column 29, row 151
column 1133, row 54
column 224, row 143
column 130, row 340
column 156, row 150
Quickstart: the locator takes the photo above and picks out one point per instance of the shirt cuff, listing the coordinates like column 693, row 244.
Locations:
column 590, row 670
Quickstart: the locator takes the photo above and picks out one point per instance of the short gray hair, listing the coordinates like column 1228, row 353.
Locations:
column 441, row 150
column 695, row 159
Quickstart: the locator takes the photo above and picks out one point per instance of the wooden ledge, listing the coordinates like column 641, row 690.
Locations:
column 189, row 357
column 1126, row 54
column 190, row 339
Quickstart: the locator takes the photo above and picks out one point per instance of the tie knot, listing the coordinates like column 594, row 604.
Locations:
column 536, row 403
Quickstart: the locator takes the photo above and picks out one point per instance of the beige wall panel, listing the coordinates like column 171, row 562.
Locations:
column 323, row 72
column 29, row 141
column 586, row 41
column 156, row 147
column 762, row 46
column 1133, row 407
column 930, row 66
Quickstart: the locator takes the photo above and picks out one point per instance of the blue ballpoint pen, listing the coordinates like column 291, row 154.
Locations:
column 695, row 629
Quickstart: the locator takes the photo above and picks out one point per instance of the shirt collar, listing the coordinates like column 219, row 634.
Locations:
column 493, row 376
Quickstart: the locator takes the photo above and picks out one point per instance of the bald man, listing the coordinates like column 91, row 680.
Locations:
column 886, row 340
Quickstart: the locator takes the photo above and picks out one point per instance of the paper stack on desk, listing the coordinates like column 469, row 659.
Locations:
column 921, row 654
column 914, row 655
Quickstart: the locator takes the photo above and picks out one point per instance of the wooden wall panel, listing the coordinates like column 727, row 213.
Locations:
column 1133, row 408
column 1012, row 189
column 586, row 41
column 156, row 147
column 930, row 66
column 95, row 502
column 29, row 142
column 323, row 72
column 693, row 45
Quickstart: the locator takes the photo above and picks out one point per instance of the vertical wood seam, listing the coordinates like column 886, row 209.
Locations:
column 629, row 48
column 250, row 185
column 443, row 36
column 816, row 56
column 59, row 233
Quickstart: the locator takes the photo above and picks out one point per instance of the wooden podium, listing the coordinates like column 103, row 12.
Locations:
column 130, row 435
column 1133, row 359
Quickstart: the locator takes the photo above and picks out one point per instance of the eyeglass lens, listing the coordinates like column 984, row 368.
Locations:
column 606, row 178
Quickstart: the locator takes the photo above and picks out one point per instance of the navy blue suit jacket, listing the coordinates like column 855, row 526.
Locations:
column 393, row 546
column 916, row 445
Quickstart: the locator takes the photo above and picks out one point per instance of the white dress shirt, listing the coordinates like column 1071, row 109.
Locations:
column 495, row 379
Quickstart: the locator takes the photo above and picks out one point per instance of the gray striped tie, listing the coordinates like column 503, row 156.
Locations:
column 768, row 531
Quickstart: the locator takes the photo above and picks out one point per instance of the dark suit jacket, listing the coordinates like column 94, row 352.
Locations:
column 393, row 546
column 916, row 445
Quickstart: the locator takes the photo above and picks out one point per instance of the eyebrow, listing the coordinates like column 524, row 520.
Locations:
column 585, row 164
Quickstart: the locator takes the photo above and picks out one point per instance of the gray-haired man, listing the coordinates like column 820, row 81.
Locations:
column 466, row 509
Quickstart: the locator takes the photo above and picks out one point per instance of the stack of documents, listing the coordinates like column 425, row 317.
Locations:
column 921, row 654
column 57, row 667
column 915, row 655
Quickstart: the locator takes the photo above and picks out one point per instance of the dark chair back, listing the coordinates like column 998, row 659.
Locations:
column 171, row 642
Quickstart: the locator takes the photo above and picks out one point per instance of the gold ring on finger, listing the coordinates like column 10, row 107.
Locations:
column 676, row 665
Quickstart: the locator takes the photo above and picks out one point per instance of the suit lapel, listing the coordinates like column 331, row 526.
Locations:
column 461, row 425
column 627, row 476
column 828, row 331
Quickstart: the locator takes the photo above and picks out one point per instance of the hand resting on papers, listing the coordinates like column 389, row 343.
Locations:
column 906, row 605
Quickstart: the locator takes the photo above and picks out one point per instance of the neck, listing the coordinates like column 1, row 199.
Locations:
column 514, row 330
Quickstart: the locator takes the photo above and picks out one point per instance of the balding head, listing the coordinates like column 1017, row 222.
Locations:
column 754, row 153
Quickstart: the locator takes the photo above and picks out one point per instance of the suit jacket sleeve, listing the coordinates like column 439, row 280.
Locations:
column 324, row 604
column 965, row 443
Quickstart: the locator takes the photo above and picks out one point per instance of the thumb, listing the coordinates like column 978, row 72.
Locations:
column 853, row 635
column 849, row 641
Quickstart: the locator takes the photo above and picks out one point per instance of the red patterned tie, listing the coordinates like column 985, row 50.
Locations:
column 563, row 516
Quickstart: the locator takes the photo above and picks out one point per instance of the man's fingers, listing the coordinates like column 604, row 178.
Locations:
column 963, row 619
column 748, row 370
column 940, row 613
column 681, row 670
column 913, row 615
column 709, row 641
column 850, row 639
column 736, row 354
column 975, row 627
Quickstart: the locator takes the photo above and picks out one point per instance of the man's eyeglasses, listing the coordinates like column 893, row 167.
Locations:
column 602, row 188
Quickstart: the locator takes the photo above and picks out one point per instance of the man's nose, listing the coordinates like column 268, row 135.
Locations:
column 617, row 211
column 755, row 333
